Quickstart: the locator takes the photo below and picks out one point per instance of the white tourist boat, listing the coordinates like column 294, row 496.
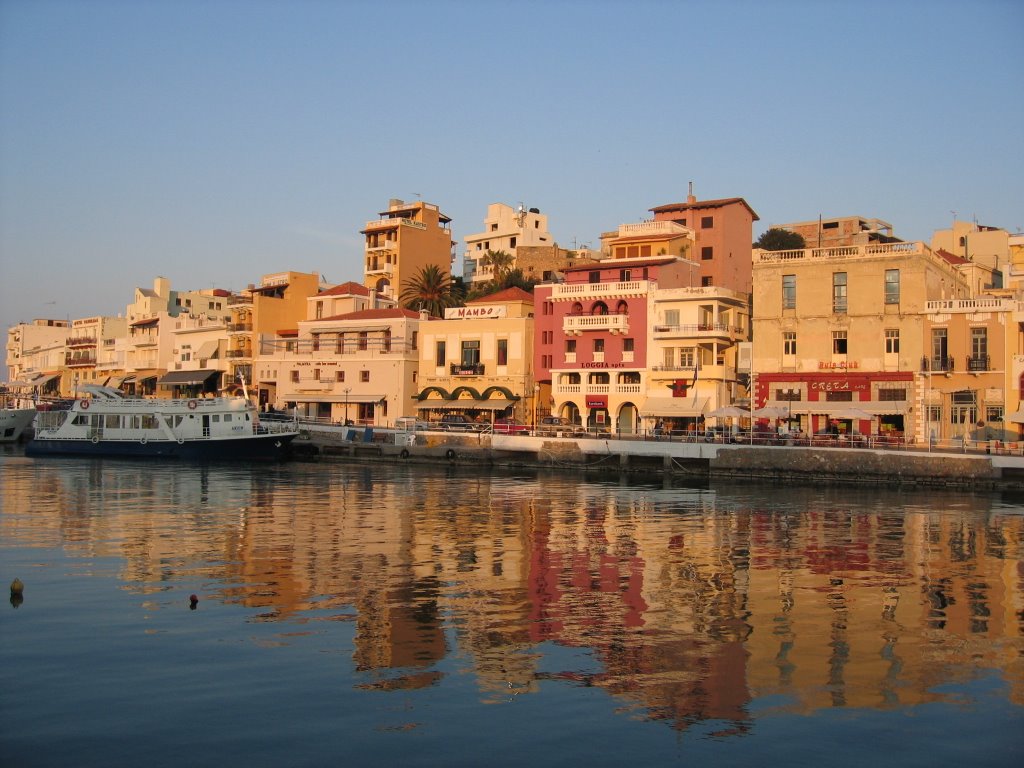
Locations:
column 14, row 421
column 105, row 422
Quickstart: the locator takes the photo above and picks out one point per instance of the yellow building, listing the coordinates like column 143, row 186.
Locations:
column 261, row 312
column 406, row 239
column 479, row 359
column 844, row 328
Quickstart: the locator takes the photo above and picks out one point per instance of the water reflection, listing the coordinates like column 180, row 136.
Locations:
column 686, row 605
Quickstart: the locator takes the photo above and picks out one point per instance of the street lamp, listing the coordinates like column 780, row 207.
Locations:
column 346, row 390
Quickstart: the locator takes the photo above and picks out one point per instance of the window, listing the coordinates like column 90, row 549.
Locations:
column 939, row 349
column 892, row 341
column 512, row 242
column 891, row 394
column 627, row 345
column 502, row 351
column 993, row 413
column 707, row 253
column 295, row 377
column 316, row 374
column 839, row 293
column 570, row 346
column 339, row 376
column 672, row 317
column 470, row 353
column 789, row 342
column 440, row 353
column 669, row 358
column 599, row 345
column 979, row 349
column 687, row 357
column 789, row 291
column 707, row 222
column 625, row 276
column 387, row 340
column 838, row 342
column 706, row 281
column 364, row 376
column 362, row 340
column 594, row 276
column 316, row 342
column 892, row 286
column 319, row 310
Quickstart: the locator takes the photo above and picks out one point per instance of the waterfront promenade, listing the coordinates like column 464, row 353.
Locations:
column 967, row 464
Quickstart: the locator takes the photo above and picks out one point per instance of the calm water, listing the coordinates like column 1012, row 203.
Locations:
column 382, row 615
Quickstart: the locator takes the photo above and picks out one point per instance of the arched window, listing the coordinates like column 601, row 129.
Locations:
column 622, row 308
column 599, row 308
column 577, row 308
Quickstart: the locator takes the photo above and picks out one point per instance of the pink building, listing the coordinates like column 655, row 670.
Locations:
column 591, row 350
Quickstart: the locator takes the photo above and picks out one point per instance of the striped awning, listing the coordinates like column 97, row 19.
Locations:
column 673, row 406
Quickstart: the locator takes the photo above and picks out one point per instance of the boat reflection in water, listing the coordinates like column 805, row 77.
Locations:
column 705, row 609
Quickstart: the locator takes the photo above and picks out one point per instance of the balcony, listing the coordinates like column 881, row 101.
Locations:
column 611, row 323
column 387, row 245
column 240, row 328
column 380, row 269
column 978, row 363
column 937, row 364
column 80, row 361
column 236, row 354
column 82, row 341
column 470, row 369
column 595, row 291
column 699, row 330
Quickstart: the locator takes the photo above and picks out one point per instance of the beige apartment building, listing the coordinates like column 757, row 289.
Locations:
column 91, row 356
column 840, row 334
column 505, row 229
column 353, row 360
column 36, row 354
column 269, row 311
column 479, row 360
column 407, row 238
column 989, row 246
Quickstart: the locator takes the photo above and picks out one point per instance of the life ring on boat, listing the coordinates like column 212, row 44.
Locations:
column 143, row 441
column 95, row 439
column 181, row 441
column 450, row 454
column 83, row 404
column 405, row 453
column 192, row 405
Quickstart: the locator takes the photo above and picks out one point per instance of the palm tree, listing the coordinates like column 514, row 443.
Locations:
column 429, row 289
column 501, row 261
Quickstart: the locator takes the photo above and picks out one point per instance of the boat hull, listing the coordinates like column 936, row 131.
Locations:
column 13, row 422
column 271, row 447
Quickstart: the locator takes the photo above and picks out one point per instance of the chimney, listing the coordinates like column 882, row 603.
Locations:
column 689, row 197
column 424, row 315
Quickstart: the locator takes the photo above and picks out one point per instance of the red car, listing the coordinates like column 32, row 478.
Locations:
column 510, row 427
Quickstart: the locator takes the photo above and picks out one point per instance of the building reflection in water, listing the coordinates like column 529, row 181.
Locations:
column 686, row 605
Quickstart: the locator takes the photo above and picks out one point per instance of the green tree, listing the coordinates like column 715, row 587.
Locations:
column 500, row 261
column 430, row 289
column 776, row 239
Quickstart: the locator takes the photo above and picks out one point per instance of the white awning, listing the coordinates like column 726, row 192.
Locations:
column 673, row 406
column 1016, row 418
column 207, row 350
column 300, row 397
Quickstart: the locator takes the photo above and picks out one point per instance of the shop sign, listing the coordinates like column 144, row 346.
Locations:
column 461, row 313
column 830, row 365
column 597, row 401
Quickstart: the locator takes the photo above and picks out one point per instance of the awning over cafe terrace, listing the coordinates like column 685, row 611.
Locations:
column 185, row 378
column 672, row 407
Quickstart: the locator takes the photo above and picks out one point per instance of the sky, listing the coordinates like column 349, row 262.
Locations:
column 214, row 142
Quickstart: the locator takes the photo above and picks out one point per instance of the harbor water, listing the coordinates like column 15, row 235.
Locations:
column 395, row 615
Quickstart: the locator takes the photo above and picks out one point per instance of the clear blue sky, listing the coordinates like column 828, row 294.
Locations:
column 213, row 142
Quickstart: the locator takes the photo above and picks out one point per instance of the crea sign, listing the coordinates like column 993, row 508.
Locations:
column 464, row 313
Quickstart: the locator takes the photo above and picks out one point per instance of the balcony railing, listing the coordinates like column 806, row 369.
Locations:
column 79, row 361
column 237, row 353
column 937, row 364
column 588, row 291
column 82, row 341
column 471, row 369
column 577, row 324
column 978, row 363
column 239, row 327
column 698, row 329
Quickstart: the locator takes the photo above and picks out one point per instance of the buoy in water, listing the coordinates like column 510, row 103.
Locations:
column 193, row 601
column 17, row 587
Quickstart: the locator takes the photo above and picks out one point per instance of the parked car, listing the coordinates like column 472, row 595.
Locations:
column 553, row 425
column 510, row 427
column 457, row 422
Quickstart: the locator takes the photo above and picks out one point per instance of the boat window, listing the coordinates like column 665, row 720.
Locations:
column 149, row 421
column 111, row 421
column 216, row 418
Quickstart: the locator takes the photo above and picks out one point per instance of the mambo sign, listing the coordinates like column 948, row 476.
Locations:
column 461, row 313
